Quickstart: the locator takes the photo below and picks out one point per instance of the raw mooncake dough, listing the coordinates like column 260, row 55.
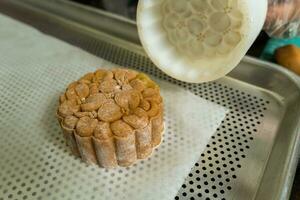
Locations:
column 112, row 117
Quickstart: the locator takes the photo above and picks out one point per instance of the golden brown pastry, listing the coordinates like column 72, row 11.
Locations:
column 112, row 117
column 289, row 57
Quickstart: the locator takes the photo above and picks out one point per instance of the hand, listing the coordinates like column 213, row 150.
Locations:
column 283, row 18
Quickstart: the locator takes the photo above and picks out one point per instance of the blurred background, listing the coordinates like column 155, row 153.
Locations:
column 125, row 8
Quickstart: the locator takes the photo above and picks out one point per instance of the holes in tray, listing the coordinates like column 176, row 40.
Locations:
column 229, row 146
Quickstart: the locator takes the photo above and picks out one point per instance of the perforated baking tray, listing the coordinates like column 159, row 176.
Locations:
column 253, row 154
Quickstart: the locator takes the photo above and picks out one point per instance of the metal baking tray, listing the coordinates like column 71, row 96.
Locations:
column 253, row 154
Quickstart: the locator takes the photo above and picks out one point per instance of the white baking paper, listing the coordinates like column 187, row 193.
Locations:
column 35, row 162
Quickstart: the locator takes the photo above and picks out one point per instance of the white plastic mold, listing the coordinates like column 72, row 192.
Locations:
column 199, row 40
